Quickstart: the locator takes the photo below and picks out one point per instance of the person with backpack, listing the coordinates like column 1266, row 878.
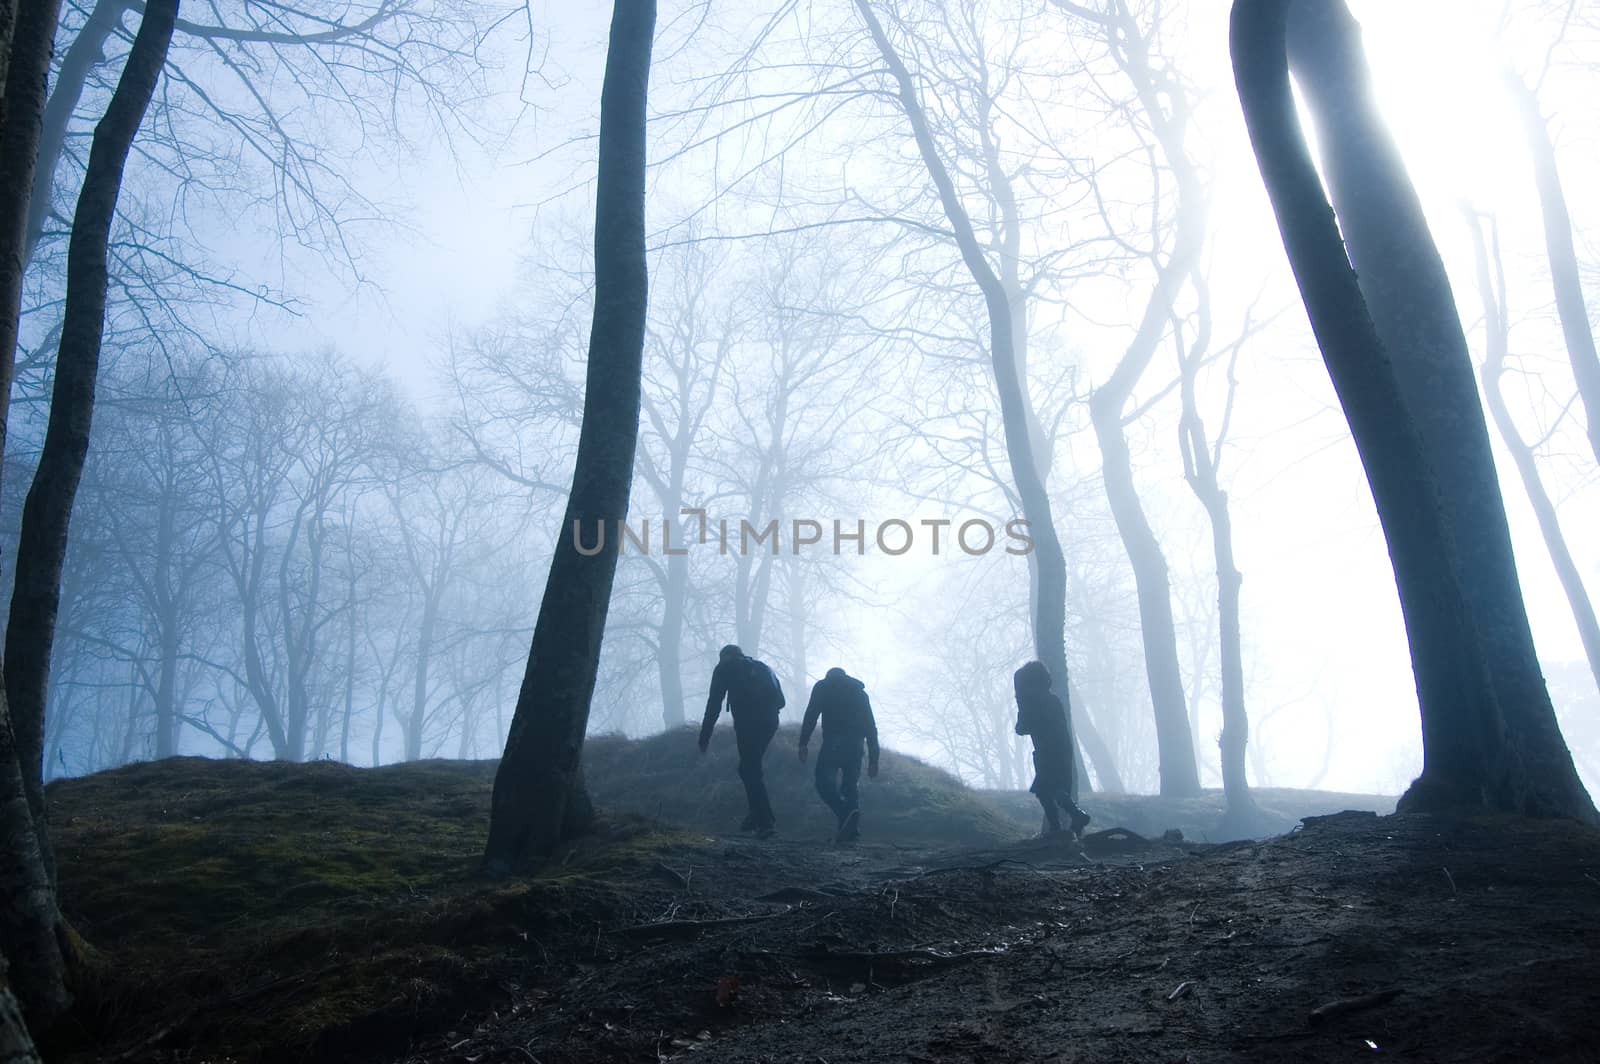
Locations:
column 840, row 702
column 1041, row 715
column 754, row 699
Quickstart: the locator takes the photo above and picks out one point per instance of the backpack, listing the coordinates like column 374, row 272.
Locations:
column 761, row 685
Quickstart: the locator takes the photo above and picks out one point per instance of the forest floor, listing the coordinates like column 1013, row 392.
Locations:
column 251, row 912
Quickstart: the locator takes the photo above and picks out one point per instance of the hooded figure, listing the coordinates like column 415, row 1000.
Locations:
column 1041, row 715
column 840, row 701
column 754, row 699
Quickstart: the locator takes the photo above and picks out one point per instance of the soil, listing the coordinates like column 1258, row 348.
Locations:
column 247, row 912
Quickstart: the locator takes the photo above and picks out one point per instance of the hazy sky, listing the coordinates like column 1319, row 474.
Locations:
column 1322, row 627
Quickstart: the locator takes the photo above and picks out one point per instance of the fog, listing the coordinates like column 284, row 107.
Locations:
column 349, row 307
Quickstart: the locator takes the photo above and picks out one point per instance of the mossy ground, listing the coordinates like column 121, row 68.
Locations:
column 275, row 911
column 251, row 912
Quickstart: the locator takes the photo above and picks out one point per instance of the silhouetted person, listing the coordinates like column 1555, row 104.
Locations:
column 840, row 701
column 1041, row 715
column 754, row 699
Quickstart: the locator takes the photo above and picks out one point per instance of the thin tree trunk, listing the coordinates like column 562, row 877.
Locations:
column 1403, row 280
column 539, row 796
column 87, row 50
column 1050, row 604
column 27, row 49
column 1179, row 772
column 1092, row 743
column 1467, row 758
column 1200, row 470
column 42, row 541
column 1563, row 259
column 669, row 654
column 1498, row 329
column 419, row 687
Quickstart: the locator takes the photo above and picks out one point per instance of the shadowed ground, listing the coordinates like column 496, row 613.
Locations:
column 253, row 911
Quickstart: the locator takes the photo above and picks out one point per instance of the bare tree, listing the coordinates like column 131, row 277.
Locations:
column 1497, row 327
column 1471, row 757
column 1564, row 273
column 1050, row 601
column 539, row 796
column 1403, row 279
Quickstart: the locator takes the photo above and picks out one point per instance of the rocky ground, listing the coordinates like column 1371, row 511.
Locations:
column 249, row 912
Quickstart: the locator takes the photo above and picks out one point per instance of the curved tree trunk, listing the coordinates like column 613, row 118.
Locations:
column 1494, row 364
column 1563, row 259
column 1050, row 604
column 539, row 797
column 42, row 541
column 1468, row 756
column 1403, row 281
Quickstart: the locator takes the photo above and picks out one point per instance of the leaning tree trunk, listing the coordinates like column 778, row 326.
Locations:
column 539, row 797
column 1050, row 604
column 1563, row 259
column 27, row 49
column 1468, row 756
column 1403, row 281
column 1494, row 363
column 42, row 542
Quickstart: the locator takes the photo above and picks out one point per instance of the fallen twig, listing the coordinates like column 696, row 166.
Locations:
column 1181, row 990
column 690, row 928
column 1344, row 1006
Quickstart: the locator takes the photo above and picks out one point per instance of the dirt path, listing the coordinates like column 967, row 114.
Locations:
column 1479, row 938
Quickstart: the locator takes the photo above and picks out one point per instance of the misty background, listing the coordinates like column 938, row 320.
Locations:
column 343, row 369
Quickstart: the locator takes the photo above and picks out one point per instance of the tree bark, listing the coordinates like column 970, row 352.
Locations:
column 42, row 541
column 1050, row 604
column 87, row 50
column 1200, row 471
column 16, row 1047
column 539, row 797
column 1563, row 259
column 1403, row 281
column 1468, row 758
column 1497, row 329
column 27, row 67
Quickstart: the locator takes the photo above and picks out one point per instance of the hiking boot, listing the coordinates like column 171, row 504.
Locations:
column 850, row 827
column 1079, row 821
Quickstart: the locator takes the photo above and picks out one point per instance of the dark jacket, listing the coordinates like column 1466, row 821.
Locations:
column 1041, row 715
column 746, row 690
column 840, row 702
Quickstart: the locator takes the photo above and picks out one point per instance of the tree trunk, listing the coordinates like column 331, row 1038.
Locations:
column 1050, row 604
column 1498, row 329
column 1200, row 470
column 1180, row 774
column 42, row 541
column 32, row 933
column 1563, row 259
column 419, row 687
column 669, row 655
column 87, row 50
column 27, row 50
column 15, row 1045
column 1403, row 281
column 1092, row 743
column 539, row 796
column 1468, row 759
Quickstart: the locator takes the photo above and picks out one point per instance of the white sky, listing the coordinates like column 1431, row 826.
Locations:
column 1322, row 625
